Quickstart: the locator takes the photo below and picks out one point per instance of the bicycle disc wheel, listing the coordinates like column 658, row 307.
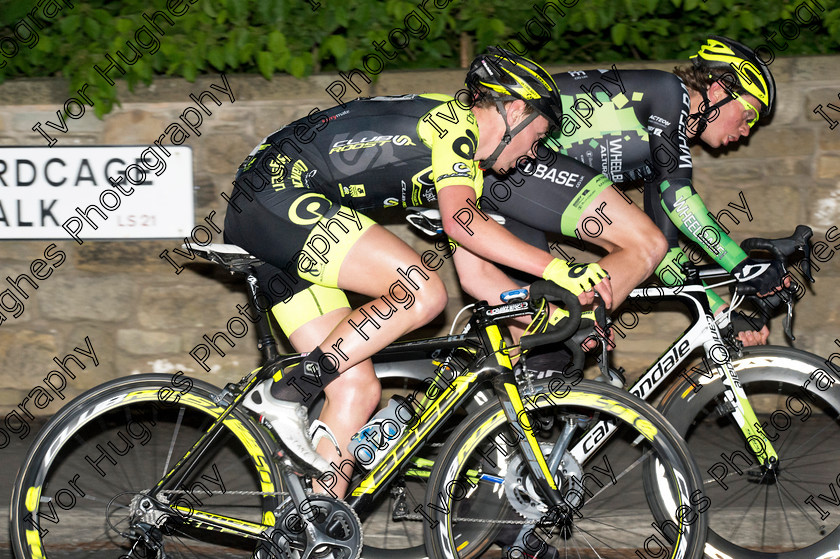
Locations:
column 89, row 466
column 788, row 511
column 481, row 483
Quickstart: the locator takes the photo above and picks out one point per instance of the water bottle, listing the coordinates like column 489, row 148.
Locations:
column 373, row 441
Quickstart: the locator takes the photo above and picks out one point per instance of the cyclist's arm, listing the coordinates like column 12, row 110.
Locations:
column 686, row 210
column 483, row 235
column 480, row 278
column 457, row 178
column 489, row 240
column 669, row 106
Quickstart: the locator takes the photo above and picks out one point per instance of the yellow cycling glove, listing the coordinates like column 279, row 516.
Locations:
column 577, row 278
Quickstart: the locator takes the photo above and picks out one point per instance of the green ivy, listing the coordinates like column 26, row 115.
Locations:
column 286, row 36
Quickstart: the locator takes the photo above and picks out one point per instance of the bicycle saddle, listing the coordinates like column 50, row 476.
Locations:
column 232, row 257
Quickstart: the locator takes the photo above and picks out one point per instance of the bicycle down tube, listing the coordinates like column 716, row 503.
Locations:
column 703, row 332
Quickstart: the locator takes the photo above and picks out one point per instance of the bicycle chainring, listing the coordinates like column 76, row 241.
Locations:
column 334, row 533
column 519, row 484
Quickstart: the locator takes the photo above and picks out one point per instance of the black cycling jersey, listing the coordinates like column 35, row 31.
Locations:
column 628, row 124
column 296, row 197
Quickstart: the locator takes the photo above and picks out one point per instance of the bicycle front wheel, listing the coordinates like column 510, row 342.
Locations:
column 482, row 496
column 78, row 490
column 789, row 510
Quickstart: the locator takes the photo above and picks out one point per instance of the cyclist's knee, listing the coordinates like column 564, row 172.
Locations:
column 655, row 248
column 431, row 299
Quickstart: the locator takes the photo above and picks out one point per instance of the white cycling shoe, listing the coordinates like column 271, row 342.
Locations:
column 289, row 421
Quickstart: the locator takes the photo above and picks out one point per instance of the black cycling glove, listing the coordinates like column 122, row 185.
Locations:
column 758, row 276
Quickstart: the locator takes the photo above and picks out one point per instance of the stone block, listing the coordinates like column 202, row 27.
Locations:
column 730, row 170
column 27, row 357
column 821, row 96
column 829, row 140
column 133, row 127
column 81, row 296
column 794, row 141
column 17, row 253
column 124, row 256
column 422, row 81
column 23, row 122
column 828, row 167
column 28, row 91
column 222, row 153
column 812, row 69
column 182, row 306
column 776, row 207
column 144, row 342
column 824, row 207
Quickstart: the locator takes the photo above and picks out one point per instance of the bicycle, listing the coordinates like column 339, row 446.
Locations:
column 714, row 405
column 210, row 479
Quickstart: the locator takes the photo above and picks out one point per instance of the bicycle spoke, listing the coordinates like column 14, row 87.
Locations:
column 175, row 432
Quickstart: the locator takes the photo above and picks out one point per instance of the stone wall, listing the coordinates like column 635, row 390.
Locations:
column 138, row 315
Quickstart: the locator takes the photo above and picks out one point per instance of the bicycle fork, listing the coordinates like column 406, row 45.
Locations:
column 739, row 406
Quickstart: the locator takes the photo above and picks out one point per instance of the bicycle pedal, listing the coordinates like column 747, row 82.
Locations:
column 400, row 506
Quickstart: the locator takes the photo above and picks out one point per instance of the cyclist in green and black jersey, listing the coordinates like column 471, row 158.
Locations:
column 295, row 205
column 637, row 124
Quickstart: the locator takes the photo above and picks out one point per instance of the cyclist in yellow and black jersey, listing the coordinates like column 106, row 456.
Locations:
column 296, row 202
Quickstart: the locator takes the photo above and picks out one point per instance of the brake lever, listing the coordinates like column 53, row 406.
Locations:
column 787, row 321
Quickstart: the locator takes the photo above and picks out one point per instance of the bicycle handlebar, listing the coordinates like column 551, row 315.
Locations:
column 784, row 248
column 781, row 250
column 553, row 293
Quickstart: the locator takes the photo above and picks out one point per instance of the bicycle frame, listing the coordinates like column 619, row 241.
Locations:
column 703, row 332
column 491, row 363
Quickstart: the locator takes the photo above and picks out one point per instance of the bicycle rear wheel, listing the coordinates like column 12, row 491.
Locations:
column 89, row 466
column 789, row 511
column 481, row 483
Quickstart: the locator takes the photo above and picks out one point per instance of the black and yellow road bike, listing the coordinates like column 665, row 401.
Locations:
column 168, row 466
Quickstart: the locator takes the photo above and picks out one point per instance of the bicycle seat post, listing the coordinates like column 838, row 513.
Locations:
column 265, row 340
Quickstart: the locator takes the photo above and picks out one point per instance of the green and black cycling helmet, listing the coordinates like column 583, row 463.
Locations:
column 505, row 76
column 752, row 75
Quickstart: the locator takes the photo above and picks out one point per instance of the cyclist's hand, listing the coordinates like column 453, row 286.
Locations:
column 765, row 278
column 750, row 330
column 580, row 280
column 754, row 337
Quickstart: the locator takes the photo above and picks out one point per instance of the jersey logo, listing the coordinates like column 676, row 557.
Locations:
column 354, row 190
column 308, row 209
column 376, row 141
column 552, row 174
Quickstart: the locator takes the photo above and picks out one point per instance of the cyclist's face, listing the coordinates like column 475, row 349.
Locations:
column 732, row 122
column 521, row 144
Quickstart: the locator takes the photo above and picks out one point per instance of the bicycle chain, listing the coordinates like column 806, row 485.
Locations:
column 462, row 519
column 406, row 517
column 260, row 493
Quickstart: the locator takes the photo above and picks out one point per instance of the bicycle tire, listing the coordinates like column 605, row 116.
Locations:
column 500, row 489
column 112, row 442
column 777, row 381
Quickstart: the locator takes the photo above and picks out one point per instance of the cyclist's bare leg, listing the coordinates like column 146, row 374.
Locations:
column 406, row 300
column 634, row 243
column 407, row 295
column 349, row 401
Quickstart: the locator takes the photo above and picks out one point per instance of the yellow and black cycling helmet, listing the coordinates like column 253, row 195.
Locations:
column 505, row 76
column 753, row 75
column 508, row 76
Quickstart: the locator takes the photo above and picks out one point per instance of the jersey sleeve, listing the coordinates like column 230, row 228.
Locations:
column 672, row 169
column 451, row 132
